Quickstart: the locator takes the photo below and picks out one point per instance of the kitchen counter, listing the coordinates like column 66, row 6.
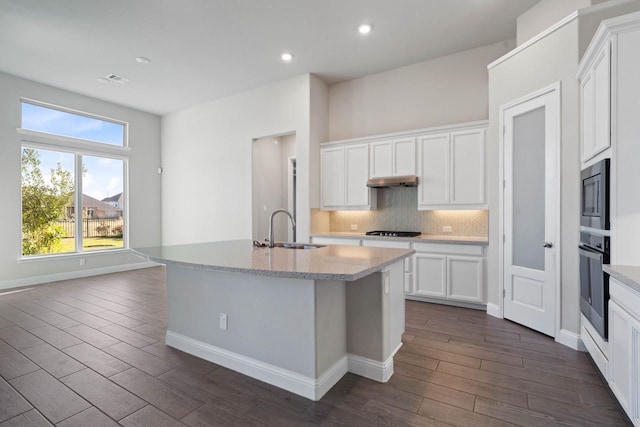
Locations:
column 346, row 263
column 425, row 238
column 627, row 274
column 298, row 319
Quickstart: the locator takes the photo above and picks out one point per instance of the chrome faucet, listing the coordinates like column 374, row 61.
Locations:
column 293, row 225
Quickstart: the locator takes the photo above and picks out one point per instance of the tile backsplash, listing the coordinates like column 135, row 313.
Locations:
column 398, row 210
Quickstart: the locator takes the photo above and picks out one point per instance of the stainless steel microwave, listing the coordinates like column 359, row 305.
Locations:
column 595, row 196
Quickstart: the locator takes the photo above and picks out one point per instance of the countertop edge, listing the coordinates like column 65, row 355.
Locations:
column 280, row 274
column 460, row 240
column 623, row 274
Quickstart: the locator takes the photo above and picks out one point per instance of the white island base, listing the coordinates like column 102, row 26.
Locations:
column 301, row 335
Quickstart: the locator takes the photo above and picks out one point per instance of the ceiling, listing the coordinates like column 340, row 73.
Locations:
column 207, row 49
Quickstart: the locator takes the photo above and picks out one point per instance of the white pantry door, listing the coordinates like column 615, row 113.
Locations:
column 531, row 211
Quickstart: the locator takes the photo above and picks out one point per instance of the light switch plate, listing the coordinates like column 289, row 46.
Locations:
column 354, row 227
column 447, row 229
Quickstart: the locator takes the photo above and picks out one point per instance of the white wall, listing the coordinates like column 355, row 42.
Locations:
column 552, row 59
column 546, row 13
column 144, row 181
column 266, row 186
column 287, row 150
column 451, row 89
column 206, row 151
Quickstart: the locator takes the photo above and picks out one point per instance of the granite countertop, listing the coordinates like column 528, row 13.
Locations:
column 240, row 256
column 627, row 274
column 425, row 238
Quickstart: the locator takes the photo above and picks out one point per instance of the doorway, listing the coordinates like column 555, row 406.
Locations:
column 530, row 207
column 273, row 185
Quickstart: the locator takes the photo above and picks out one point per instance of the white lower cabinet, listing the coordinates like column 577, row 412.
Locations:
column 449, row 271
column 430, row 273
column 465, row 278
column 408, row 271
column 624, row 348
column 437, row 271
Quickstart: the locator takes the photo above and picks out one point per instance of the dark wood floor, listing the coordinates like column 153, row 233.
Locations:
column 90, row 352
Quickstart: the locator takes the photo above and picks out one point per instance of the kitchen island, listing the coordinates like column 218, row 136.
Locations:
column 295, row 318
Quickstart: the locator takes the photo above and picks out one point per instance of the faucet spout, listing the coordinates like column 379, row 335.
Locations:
column 273, row 214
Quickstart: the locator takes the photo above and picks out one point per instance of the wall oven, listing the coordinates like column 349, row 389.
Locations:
column 595, row 196
column 594, row 283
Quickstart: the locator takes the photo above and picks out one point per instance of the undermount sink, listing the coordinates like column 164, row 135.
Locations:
column 295, row 245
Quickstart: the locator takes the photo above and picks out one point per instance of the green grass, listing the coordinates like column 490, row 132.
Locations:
column 93, row 244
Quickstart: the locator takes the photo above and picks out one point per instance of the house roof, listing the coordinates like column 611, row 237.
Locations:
column 115, row 198
column 90, row 202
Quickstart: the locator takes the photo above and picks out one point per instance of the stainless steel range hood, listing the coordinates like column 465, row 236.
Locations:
column 393, row 181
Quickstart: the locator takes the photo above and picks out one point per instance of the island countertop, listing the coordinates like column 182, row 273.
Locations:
column 346, row 263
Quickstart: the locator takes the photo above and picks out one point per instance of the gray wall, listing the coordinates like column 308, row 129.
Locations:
column 144, row 181
column 553, row 59
column 549, row 60
column 442, row 91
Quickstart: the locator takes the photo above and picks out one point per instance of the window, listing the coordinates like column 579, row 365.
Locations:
column 73, row 181
column 58, row 122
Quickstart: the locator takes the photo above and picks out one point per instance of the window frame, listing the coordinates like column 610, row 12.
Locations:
column 79, row 148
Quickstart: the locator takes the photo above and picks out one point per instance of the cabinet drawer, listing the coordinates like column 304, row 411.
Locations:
column 386, row 244
column 446, row 248
column 336, row 241
column 624, row 296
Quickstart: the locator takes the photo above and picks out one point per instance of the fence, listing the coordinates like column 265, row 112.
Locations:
column 93, row 227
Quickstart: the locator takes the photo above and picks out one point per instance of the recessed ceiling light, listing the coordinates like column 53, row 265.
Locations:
column 143, row 60
column 365, row 28
column 286, row 57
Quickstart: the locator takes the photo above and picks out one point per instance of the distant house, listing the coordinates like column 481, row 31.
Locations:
column 115, row 201
column 94, row 208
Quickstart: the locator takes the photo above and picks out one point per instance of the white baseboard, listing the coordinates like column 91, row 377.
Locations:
column 38, row 280
column 600, row 359
column 494, row 310
column 372, row 369
column 302, row 385
column 571, row 340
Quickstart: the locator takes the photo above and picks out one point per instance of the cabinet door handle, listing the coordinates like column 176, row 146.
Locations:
column 547, row 245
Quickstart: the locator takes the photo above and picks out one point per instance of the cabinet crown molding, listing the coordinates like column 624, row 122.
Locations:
column 607, row 29
column 479, row 124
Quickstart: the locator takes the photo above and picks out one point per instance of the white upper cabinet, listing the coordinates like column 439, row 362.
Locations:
column 451, row 170
column 344, row 174
column 448, row 160
column 333, row 177
column 356, row 175
column 467, row 167
column 595, row 92
column 434, row 161
column 393, row 158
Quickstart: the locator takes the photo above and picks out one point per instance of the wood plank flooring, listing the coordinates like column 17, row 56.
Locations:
column 90, row 352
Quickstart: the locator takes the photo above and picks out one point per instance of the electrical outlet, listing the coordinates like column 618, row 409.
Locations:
column 223, row 321
column 83, row 261
column 447, row 229
column 354, row 227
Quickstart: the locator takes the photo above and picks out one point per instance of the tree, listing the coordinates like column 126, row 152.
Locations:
column 43, row 203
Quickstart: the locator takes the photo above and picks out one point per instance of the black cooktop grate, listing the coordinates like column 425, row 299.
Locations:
column 387, row 233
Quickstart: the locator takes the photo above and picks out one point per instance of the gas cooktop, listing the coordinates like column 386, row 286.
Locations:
column 393, row 233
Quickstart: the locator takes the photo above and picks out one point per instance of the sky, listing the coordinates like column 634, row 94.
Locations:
column 103, row 177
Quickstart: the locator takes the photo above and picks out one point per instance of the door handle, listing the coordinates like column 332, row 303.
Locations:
column 547, row 245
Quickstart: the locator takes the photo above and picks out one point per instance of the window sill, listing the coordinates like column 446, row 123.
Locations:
column 71, row 255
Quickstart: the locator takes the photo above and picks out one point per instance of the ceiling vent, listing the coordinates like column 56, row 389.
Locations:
column 116, row 78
